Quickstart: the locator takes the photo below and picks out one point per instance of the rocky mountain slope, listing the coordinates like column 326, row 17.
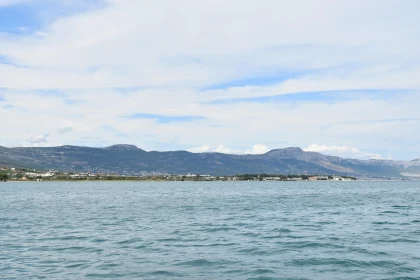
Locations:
column 128, row 159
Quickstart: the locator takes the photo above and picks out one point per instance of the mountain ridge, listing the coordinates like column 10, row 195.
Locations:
column 129, row 159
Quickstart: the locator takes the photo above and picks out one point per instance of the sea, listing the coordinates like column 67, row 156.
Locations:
column 210, row 230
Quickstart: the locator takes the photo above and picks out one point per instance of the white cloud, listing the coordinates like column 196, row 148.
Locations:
column 257, row 149
column 41, row 34
column 40, row 140
column 201, row 149
column 342, row 151
column 370, row 156
column 222, row 149
column 127, row 42
column 331, row 149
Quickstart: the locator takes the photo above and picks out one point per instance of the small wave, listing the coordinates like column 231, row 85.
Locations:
column 108, row 266
column 218, row 229
column 309, row 244
column 366, row 252
column 99, row 240
column 262, row 278
column 198, row 262
column 343, row 263
column 165, row 273
column 308, row 226
column 273, row 236
column 250, row 234
column 105, row 275
column 294, row 236
column 401, row 206
column 168, row 240
column 254, row 251
column 263, row 271
column 74, row 238
column 129, row 241
column 79, row 248
column 222, row 244
column 77, row 265
column 398, row 240
column 383, row 223
column 284, row 230
column 241, row 224
column 401, row 278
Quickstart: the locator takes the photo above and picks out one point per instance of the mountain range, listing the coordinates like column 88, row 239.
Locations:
column 131, row 160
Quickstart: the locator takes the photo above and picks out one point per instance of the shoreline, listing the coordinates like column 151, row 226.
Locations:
column 192, row 181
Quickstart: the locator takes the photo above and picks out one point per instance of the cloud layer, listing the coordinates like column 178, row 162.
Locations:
column 256, row 149
column 175, row 75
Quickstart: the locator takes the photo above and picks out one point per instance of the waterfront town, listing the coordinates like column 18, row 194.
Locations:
column 14, row 174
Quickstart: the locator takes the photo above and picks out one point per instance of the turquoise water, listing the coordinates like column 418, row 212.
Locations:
column 214, row 230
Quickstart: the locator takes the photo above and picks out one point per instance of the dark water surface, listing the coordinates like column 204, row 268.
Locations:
column 214, row 230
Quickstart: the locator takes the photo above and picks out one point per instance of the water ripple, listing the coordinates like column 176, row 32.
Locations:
column 222, row 230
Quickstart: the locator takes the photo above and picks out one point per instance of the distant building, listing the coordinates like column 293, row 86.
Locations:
column 47, row 174
column 272, row 179
column 318, row 178
column 294, row 179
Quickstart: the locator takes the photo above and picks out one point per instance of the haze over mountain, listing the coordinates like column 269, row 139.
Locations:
column 129, row 159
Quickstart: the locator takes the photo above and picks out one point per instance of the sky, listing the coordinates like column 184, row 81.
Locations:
column 336, row 77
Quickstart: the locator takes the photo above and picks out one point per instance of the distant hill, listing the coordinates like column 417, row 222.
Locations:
column 128, row 159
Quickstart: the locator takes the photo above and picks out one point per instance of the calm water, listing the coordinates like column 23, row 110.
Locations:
column 215, row 230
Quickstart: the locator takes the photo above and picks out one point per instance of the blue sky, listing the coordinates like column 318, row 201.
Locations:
column 26, row 17
column 233, row 77
column 17, row 19
column 318, row 96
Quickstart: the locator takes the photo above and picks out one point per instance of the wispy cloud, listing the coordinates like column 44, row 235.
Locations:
column 5, row 60
column 38, row 140
column 166, row 119
column 384, row 120
column 64, row 130
column 317, row 96
column 73, row 102
column 263, row 80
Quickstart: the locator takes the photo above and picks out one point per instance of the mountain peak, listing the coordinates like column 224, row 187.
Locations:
column 289, row 150
column 294, row 149
column 287, row 153
column 122, row 147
